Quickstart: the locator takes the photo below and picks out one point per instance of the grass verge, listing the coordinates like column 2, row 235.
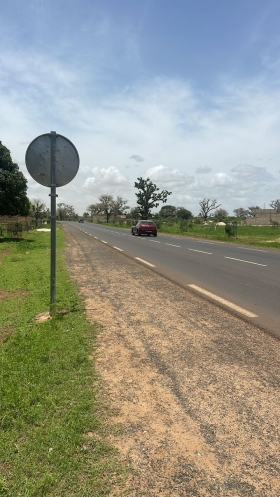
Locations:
column 53, row 418
column 262, row 236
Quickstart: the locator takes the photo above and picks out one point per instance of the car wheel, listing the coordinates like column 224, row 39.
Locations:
column 155, row 234
column 138, row 233
column 132, row 232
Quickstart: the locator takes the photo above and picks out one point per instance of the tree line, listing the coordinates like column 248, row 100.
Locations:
column 14, row 200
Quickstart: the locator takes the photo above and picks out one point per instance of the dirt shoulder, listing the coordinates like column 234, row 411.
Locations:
column 196, row 390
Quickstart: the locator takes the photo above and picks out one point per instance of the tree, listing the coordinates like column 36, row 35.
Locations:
column 65, row 212
column 251, row 210
column 149, row 196
column 221, row 213
column 94, row 209
column 134, row 213
column 206, row 206
column 120, row 206
column 13, row 187
column 107, row 205
column 275, row 204
column 167, row 211
column 183, row 213
column 38, row 209
column 241, row 213
column 47, row 213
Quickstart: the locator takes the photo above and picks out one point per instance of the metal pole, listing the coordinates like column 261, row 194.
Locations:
column 53, row 220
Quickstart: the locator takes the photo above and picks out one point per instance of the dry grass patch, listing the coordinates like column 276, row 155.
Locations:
column 7, row 294
column 4, row 252
column 6, row 332
column 42, row 317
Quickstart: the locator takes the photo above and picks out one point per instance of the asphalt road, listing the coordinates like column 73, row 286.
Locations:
column 242, row 279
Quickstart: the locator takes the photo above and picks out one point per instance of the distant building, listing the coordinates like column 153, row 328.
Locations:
column 264, row 216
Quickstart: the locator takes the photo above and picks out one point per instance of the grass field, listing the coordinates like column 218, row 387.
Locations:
column 264, row 236
column 253, row 235
column 53, row 418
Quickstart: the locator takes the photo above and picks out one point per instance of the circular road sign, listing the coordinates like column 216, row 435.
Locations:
column 38, row 160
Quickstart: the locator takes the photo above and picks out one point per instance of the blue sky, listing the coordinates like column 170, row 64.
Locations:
column 186, row 93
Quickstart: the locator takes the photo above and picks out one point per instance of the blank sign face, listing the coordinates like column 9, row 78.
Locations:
column 38, row 160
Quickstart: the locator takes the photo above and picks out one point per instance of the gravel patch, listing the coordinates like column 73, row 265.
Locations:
column 195, row 389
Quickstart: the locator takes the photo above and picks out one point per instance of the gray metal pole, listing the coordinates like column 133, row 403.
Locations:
column 53, row 220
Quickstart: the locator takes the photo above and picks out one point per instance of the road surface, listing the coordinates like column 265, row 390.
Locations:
column 194, row 391
column 245, row 280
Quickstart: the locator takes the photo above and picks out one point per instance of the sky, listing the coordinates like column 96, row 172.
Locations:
column 185, row 93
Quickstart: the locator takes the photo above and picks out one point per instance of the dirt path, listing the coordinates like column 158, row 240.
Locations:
column 196, row 389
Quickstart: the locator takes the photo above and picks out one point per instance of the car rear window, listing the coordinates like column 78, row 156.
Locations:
column 150, row 223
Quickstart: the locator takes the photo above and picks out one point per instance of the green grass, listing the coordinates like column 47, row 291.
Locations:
column 250, row 235
column 264, row 236
column 53, row 420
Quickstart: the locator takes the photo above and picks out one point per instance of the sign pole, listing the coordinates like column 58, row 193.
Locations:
column 53, row 220
column 53, row 161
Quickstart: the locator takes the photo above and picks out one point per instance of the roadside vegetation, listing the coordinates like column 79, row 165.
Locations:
column 264, row 236
column 53, row 420
column 268, row 236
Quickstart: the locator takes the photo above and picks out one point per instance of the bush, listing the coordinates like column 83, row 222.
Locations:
column 184, row 225
column 229, row 230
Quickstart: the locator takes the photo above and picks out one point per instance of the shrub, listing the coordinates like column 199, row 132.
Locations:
column 229, row 230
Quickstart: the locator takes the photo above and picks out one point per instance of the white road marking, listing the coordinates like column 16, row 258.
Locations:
column 248, row 262
column 256, row 250
column 225, row 302
column 96, row 237
column 117, row 248
column 154, row 241
column 103, row 241
column 200, row 241
column 194, row 250
column 171, row 244
column 145, row 262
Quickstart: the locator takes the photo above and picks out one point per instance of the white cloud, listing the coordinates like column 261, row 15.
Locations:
column 164, row 118
column 221, row 180
column 253, row 173
column 105, row 181
column 246, row 169
column 169, row 178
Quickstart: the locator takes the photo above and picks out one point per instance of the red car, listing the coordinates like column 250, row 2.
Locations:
column 144, row 228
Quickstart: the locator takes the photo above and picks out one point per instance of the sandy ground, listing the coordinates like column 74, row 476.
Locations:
column 195, row 389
